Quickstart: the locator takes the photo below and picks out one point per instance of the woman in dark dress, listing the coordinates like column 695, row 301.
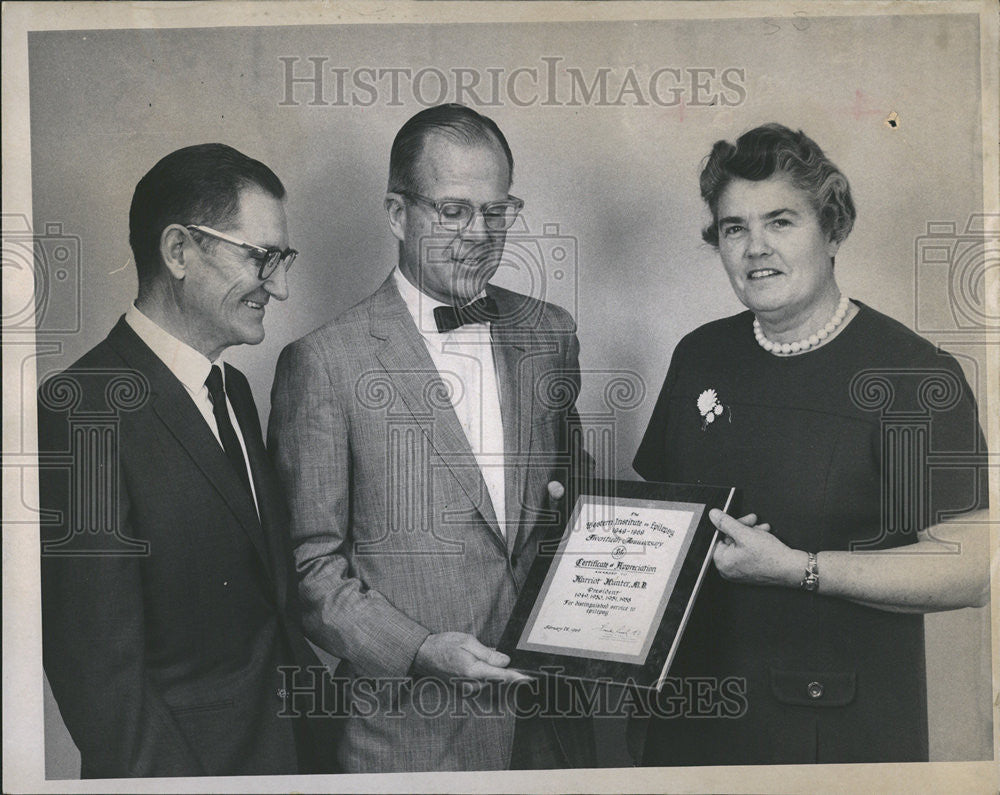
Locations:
column 823, row 413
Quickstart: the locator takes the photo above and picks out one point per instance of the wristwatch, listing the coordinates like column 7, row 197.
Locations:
column 810, row 581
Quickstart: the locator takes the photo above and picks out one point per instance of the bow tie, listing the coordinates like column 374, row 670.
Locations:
column 449, row 318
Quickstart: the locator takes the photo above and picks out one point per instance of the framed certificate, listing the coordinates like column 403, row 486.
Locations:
column 610, row 599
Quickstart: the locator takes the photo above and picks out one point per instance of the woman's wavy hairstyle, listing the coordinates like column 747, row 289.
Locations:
column 773, row 148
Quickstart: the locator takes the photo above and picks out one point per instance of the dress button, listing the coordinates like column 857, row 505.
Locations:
column 815, row 690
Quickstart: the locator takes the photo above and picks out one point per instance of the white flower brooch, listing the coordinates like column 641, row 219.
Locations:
column 709, row 407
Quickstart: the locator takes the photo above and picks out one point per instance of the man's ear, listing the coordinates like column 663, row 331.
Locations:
column 174, row 250
column 395, row 209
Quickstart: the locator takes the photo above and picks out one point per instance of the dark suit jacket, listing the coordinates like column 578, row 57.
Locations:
column 393, row 532
column 167, row 604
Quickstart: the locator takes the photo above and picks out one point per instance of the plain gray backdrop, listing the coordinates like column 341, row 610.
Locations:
column 612, row 212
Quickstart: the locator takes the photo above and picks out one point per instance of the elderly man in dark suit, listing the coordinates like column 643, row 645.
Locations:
column 170, row 628
column 416, row 435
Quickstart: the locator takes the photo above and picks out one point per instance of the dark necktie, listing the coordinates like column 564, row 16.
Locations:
column 449, row 318
column 227, row 433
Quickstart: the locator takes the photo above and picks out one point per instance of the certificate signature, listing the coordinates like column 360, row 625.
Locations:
column 623, row 632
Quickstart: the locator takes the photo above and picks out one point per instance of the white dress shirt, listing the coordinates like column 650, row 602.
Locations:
column 464, row 359
column 190, row 368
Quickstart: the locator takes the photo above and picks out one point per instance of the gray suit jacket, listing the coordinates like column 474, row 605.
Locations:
column 393, row 531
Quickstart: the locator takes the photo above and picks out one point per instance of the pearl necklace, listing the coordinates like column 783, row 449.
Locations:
column 812, row 341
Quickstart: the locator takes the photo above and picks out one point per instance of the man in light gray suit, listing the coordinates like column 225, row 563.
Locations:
column 416, row 435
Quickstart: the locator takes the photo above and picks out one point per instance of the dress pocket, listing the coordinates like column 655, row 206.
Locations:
column 814, row 688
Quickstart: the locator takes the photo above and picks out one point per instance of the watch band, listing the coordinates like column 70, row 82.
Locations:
column 810, row 581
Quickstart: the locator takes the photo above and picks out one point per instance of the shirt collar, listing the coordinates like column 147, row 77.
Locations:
column 189, row 366
column 421, row 306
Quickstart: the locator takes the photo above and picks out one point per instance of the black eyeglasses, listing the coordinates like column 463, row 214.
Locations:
column 455, row 215
column 268, row 259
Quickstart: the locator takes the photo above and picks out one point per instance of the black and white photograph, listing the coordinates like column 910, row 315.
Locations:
column 369, row 368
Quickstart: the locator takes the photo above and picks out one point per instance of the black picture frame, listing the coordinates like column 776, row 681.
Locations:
column 647, row 669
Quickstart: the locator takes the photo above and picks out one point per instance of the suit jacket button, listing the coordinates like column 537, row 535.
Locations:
column 815, row 690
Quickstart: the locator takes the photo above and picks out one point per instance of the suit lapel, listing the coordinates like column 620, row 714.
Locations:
column 173, row 405
column 526, row 377
column 515, row 381
column 407, row 363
